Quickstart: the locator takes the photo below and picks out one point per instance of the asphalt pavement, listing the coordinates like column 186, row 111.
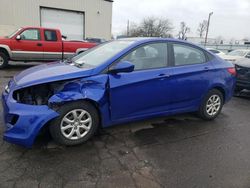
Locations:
column 179, row 151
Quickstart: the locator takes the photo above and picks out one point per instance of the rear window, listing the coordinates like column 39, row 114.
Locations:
column 50, row 35
column 187, row 55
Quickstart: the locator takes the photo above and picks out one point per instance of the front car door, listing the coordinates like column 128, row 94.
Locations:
column 192, row 72
column 29, row 47
column 146, row 90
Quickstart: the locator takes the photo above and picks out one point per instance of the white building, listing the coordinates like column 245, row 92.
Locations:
column 77, row 19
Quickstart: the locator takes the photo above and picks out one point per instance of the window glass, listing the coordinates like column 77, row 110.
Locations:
column 30, row 34
column 50, row 35
column 214, row 51
column 186, row 55
column 149, row 56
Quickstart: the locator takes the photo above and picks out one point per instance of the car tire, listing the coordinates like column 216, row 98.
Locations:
column 4, row 60
column 237, row 91
column 211, row 105
column 72, row 126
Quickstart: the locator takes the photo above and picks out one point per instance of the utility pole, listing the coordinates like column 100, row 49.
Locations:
column 208, row 23
column 128, row 29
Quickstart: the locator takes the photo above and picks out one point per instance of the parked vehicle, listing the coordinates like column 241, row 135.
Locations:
column 116, row 82
column 236, row 55
column 215, row 51
column 243, row 75
column 38, row 44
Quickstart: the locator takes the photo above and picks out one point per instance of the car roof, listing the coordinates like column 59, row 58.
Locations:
column 45, row 28
column 155, row 39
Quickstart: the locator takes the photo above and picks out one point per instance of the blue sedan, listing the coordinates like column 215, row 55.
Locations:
column 116, row 82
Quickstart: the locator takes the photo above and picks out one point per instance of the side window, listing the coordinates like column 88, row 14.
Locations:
column 214, row 51
column 149, row 56
column 186, row 55
column 50, row 35
column 30, row 34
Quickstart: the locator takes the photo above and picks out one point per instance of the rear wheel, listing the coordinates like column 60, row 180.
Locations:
column 211, row 105
column 76, row 124
column 4, row 60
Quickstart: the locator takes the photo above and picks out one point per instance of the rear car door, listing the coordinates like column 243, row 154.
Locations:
column 29, row 47
column 146, row 90
column 192, row 72
column 52, row 45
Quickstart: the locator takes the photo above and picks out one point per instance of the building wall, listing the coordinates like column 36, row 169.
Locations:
column 20, row 13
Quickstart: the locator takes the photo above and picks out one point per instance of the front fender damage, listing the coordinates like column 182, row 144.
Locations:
column 91, row 88
column 39, row 104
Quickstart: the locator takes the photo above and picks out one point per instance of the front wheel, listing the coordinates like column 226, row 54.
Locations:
column 3, row 60
column 211, row 105
column 77, row 123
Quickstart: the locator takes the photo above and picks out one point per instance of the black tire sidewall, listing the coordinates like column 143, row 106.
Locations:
column 203, row 112
column 5, row 58
column 55, row 128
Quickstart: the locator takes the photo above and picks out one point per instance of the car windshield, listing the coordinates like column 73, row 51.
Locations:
column 100, row 54
column 13, row 34
column 237, row 53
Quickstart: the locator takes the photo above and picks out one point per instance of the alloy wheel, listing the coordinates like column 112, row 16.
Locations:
column 213, row 105
column 76, row 124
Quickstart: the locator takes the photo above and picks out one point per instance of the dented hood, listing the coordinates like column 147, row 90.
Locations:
column 50, row 72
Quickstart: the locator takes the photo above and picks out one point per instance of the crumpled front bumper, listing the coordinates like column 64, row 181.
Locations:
column 23, row 122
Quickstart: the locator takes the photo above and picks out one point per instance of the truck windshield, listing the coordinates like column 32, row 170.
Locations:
column 12, row 34
column 101, row 53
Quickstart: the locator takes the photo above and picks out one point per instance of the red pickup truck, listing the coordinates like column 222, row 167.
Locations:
column 38, row 44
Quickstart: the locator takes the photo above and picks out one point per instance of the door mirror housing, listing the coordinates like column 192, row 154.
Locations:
column 123, row 66
column 18, row 37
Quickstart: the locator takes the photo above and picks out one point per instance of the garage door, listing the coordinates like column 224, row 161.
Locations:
column 70, row 23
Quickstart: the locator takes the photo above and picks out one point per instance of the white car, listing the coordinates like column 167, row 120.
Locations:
column 236, row 55
column 215, row 51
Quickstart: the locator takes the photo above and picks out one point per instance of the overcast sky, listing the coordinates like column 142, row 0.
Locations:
column 231, row 18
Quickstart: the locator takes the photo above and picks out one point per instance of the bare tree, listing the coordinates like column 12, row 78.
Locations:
column 202, row 28
column 152, row 27
column 184, row 30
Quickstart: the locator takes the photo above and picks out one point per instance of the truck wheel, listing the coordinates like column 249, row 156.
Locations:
column 4, row 60
column 211, row 105
column 77, row 123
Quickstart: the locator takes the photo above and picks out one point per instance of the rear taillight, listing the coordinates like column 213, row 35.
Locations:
column 232, row 71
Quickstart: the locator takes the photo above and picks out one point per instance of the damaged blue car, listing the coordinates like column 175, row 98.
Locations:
column 116, row 82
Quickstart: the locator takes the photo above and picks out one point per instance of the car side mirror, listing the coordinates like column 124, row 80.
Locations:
column 18, row 37
column 123, row 66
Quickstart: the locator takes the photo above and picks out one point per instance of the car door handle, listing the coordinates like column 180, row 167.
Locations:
column 163, row 75
column 206, row 68
column 39, row 44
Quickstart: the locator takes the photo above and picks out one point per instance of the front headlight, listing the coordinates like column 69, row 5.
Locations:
column 7, row 89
